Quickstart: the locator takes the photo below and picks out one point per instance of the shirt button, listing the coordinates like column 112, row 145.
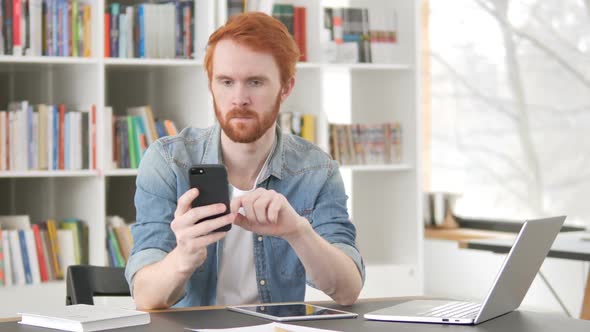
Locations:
column 260, row 239
column 262, row 282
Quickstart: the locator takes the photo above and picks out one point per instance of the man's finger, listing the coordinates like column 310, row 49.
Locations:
column 260, row 207
column 185, row 202
column 206, row 240
column 235, row 204
column 201, row 212
column 205, row 227
column 273, row 210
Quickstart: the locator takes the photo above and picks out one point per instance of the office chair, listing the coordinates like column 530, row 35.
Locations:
column 85, row 281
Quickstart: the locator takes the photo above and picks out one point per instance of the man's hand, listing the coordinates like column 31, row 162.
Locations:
column 192, row 238
column 269, row 213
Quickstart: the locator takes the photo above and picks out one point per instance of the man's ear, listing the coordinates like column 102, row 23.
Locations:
column 287, row 89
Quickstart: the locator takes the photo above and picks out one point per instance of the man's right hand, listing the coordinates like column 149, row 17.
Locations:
column 192, row 238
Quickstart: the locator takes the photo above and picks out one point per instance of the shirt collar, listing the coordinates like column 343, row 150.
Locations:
column 212, row 153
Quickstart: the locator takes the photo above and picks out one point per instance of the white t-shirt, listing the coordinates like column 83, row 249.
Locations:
column 236, row 277
column 236, row 281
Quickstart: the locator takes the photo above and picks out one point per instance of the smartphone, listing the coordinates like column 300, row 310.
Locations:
column 211, row 180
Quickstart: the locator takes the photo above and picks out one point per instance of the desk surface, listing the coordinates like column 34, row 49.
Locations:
column 221, row 318
column 574, row 245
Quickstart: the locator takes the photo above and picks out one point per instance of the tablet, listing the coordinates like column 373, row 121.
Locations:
column 291, row 312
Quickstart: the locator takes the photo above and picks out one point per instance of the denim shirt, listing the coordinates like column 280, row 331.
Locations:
column 303, row 173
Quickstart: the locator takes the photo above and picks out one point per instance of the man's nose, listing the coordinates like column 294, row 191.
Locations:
column 241, row 97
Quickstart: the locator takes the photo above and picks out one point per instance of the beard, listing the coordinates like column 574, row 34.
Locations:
column 251, row 130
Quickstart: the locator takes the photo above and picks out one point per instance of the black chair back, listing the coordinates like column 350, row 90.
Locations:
column 85, row 281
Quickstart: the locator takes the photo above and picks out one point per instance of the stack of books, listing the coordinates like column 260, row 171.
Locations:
column 46, row 27
column 366, row 144
column 47, row 137
column 128, row 136
column 359, row 35
column 298, row 124
column 150, row 30
column 119, row 241
column 31, row 254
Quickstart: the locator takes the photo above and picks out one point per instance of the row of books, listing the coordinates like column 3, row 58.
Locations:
column 128, row 136
column 41, row 252
column 47, row 137
column 298, row 124
column 366, row 144
column 46, row 27
column 293, row 17
column 150, row 30
column 119, row 241
column 359, row 35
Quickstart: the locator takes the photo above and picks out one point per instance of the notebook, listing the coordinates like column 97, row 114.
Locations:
column 85, row 318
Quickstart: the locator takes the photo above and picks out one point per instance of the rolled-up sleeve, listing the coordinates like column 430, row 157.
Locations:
column 330, row 218
column 155, row 203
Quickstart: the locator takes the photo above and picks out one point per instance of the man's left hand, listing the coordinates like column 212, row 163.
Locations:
column 267, row 212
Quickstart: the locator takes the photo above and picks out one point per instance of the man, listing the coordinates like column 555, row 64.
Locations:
column 288, row 207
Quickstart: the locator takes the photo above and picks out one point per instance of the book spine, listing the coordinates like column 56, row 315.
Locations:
column 115, row 30
column 93, row 138
column 25, row 257
column 87, row 31
column 16, row 27
column 132, row 142
column 61, row 136
column 33, row 258
column 40, row 253
column 117, row 252
column 141, row 26
column 107, row 38
column 74, row 27
column 55, row 252
column 8, row 269
column 2, row 275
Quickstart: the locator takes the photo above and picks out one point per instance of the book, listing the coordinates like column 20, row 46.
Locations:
column 2, row 277
column 85, row 318
column 67, row 254
column 7, row 258
column 44, row 274
column 32, row 255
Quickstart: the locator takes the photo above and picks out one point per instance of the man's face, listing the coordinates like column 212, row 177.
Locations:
column 246, row 90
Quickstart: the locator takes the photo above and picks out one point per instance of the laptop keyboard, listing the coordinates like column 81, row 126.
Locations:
column 454, row 310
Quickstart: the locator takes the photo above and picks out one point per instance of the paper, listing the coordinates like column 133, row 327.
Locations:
column 272, row 327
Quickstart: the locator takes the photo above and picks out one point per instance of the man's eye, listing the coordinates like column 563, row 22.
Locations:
column 255, row 83
column 226, row 82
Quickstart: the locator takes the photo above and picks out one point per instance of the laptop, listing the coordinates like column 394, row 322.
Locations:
column 511, row 285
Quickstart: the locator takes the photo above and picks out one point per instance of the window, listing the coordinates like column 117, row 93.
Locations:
column 510, row 106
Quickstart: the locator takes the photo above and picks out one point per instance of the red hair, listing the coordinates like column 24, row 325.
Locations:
column 261, row 33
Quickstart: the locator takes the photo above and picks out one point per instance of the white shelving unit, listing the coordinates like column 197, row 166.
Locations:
column 384, row 199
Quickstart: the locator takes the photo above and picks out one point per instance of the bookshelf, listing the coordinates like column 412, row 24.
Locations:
column 384, row 199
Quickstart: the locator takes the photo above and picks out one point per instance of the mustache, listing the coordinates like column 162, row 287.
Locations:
column 241, row 113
